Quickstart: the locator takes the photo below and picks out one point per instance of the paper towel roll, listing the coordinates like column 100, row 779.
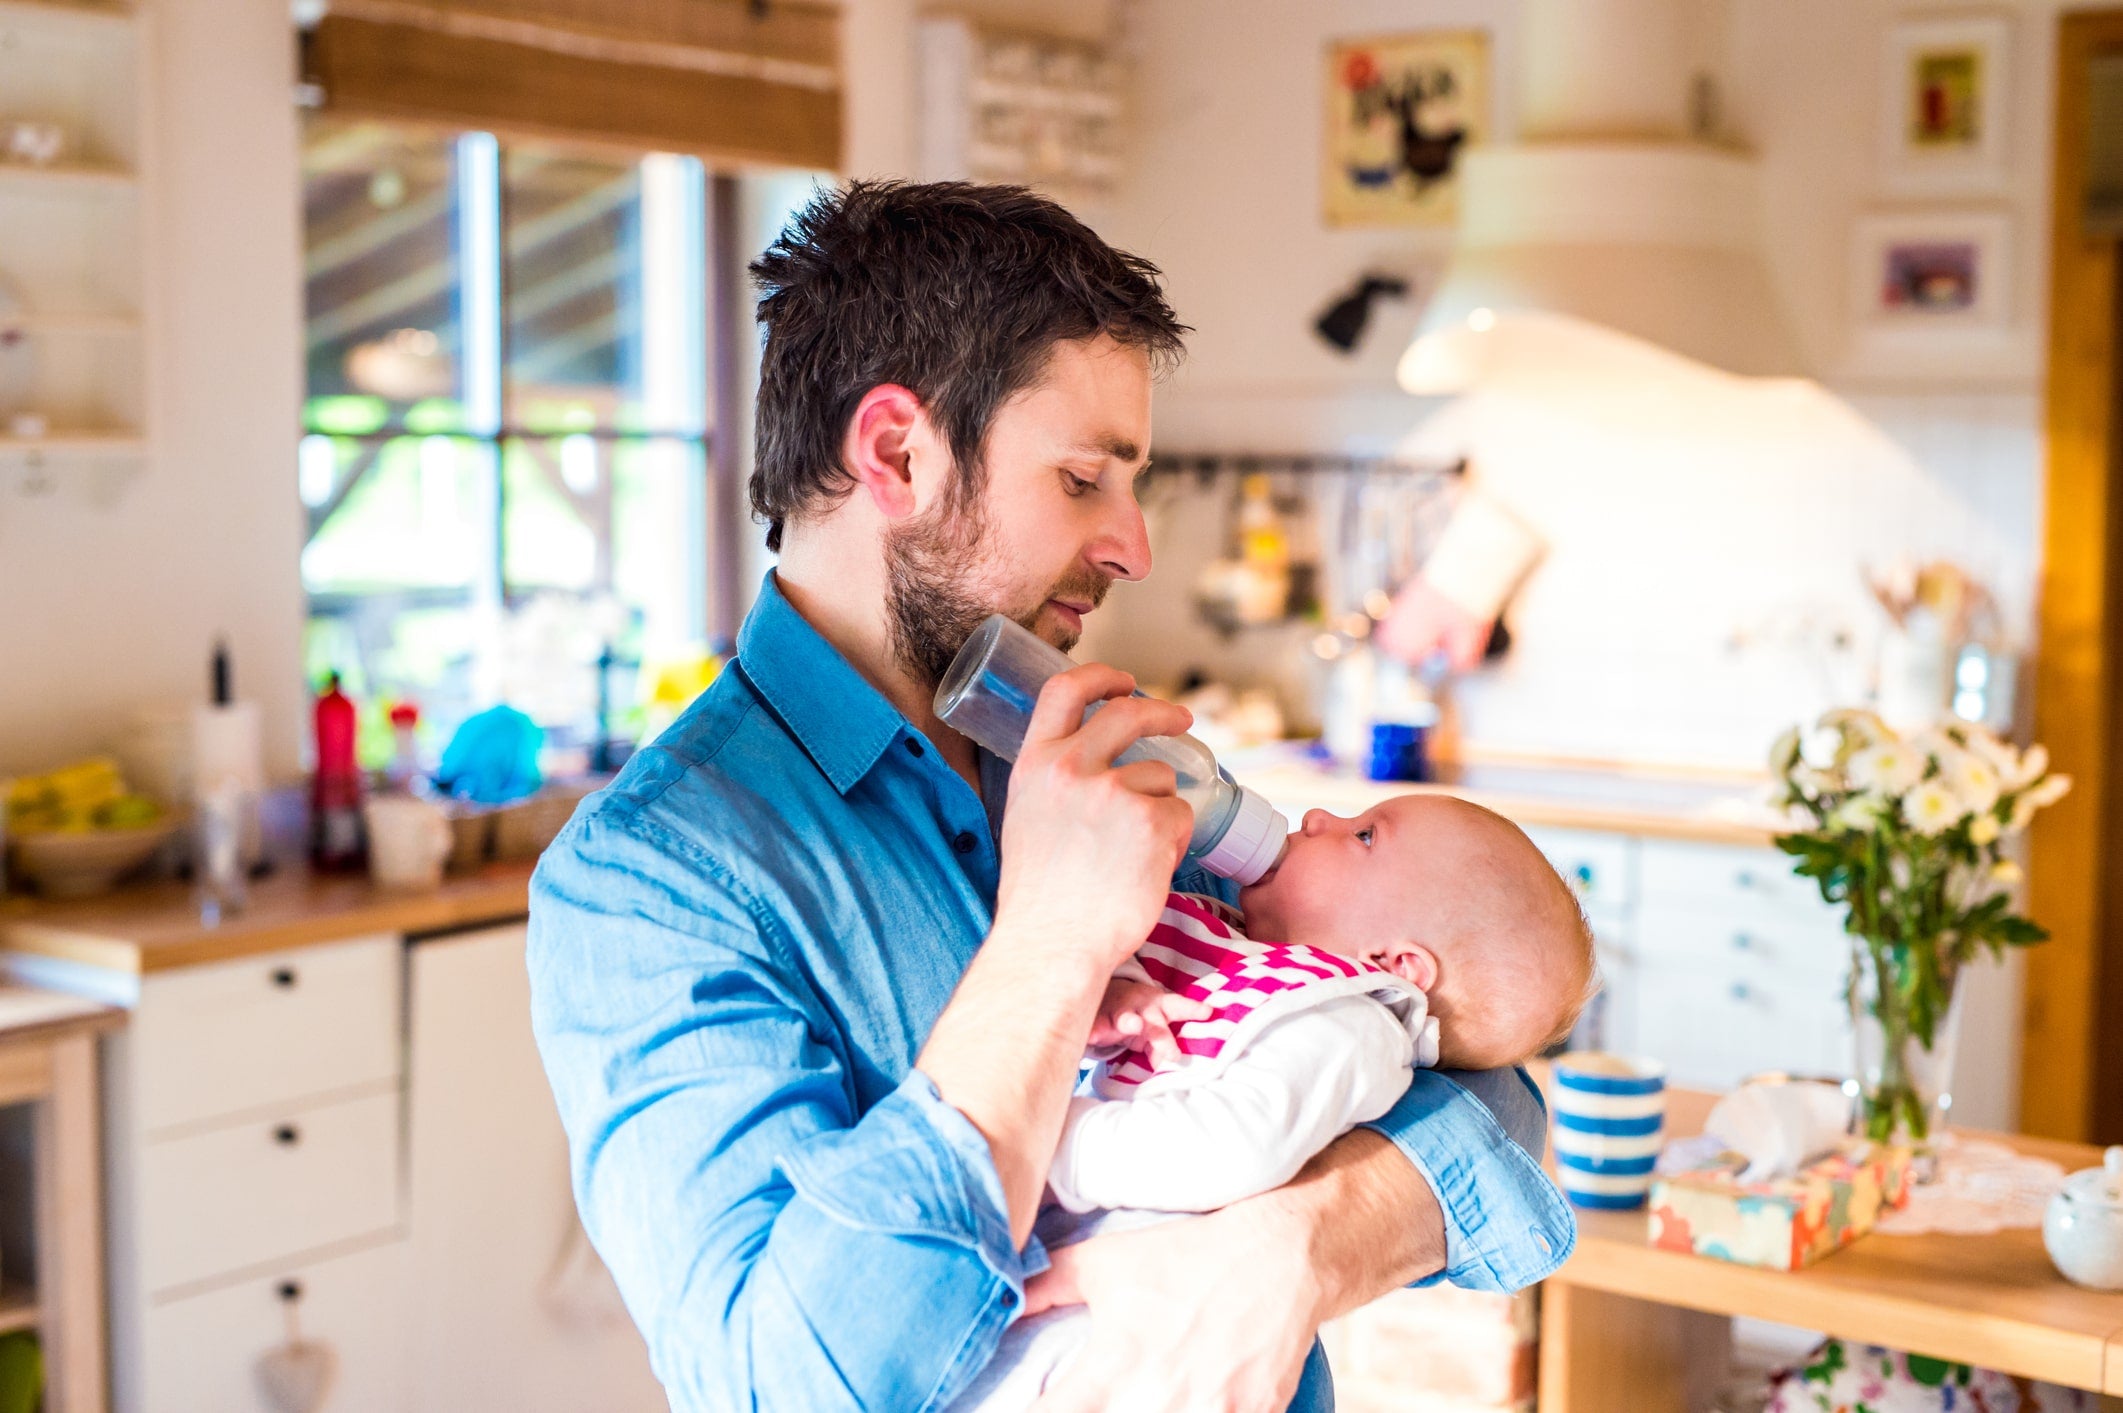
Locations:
column 227, row 744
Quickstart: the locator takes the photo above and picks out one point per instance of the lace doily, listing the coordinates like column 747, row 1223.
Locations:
column 1980, row 1187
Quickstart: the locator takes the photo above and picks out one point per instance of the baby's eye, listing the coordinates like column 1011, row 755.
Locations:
column 1365, row 834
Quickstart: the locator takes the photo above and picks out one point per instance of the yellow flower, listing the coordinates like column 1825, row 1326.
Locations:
column 1931, row 808
column 2005, row 872
column 1985, row 830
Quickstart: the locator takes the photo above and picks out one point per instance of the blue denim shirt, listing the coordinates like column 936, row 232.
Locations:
column 736, row 952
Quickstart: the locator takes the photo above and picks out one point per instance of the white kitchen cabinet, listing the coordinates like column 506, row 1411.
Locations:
column 508, row 1308
column 205, row 1349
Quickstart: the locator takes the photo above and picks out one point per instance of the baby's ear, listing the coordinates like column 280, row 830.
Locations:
column 1413, row 963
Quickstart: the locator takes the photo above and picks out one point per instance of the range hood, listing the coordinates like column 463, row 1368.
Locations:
column 1606, row 212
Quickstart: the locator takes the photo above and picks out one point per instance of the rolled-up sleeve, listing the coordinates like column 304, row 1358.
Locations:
column 1477, row 1140
column 769, row 1242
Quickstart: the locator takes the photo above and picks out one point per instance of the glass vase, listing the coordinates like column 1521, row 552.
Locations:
column 1905, row 1021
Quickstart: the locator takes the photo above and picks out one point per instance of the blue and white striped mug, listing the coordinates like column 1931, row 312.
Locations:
column 1610, row 1112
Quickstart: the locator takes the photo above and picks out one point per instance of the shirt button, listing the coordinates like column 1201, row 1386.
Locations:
column 965, row 843
column 914, row 748
column 1009, row 1299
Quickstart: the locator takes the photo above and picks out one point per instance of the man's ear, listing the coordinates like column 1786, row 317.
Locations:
column 1412, row 962
column 880, row 448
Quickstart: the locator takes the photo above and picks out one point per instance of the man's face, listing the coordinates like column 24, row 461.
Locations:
column 1055, row 525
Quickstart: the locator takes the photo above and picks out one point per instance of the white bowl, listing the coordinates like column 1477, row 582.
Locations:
column 83, row 863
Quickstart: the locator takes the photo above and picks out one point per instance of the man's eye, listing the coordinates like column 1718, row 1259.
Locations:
column 1076, row 485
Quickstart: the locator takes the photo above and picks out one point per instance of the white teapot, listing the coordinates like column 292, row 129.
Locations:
column 2083, row 1227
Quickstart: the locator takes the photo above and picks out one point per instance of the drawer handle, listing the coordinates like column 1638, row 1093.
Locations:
column 290, row 1291
column 284, row 978
column 1744, row 878
column 1741, row 942
column 1741, row 991
column 287, row 1135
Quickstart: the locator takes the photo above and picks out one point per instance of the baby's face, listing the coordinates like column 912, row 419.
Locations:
column 1452, row 898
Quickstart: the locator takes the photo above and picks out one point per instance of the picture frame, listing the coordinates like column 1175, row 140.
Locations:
column 1923, row 281
column 1397, row 112
column 1943, row 104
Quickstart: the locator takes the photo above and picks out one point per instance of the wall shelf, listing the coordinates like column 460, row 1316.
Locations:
column 70, row 174
column 74, row 444
column 59, row 13
column 82, row 325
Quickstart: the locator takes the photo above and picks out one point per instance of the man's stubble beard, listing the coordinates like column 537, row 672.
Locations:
column 933, row 567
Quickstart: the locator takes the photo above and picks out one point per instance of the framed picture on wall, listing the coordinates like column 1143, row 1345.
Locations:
column 1922, row 279
column 1943, row 104
column 1399, row 112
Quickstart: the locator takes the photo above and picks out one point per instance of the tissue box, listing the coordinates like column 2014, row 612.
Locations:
column 1783, row 1223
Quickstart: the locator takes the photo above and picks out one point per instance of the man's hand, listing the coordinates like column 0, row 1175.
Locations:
column 1220, row 1311
column 1088, row 853
column 1089, row 849
column 1139, row 1015
column 1194, row 1314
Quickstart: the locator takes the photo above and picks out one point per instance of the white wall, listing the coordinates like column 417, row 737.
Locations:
column 1222, row 191
column 108, row 604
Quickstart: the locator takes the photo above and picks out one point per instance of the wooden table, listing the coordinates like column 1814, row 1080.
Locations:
column 1627, row 1328
column 48, row 1058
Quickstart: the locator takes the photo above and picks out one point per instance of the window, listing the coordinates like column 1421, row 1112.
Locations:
column 506, row 450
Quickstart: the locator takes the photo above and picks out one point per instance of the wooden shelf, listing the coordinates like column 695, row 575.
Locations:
column 74, row 444
column 18, row 1307
column 59, row 12
column 79, row 175
column 99, row 325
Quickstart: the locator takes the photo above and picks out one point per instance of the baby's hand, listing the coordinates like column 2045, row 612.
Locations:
column 1139, row 1015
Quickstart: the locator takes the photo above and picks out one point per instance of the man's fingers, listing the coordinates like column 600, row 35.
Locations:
column 1120, row 724
column 1148, row 777
column 1067, row 695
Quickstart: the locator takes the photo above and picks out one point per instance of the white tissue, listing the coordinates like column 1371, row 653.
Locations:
column 1778, row 1126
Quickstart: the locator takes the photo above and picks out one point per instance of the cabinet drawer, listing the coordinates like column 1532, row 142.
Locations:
column 1725, row 875
column 266, row 1189
column 1599, row 866
column 237, row 1036
column 201, row 1353
column 1713, row 1031
column 1750, row 942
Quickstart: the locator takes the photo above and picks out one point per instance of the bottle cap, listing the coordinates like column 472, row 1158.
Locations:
column 1252, row 844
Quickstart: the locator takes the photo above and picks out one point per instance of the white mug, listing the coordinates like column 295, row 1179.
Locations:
column 408, row 840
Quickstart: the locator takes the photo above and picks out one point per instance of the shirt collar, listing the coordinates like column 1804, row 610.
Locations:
column 843, row 723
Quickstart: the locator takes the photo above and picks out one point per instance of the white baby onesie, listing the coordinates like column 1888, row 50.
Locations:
column 1302, row 1045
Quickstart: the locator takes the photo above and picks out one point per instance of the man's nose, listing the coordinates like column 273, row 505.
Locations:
column 1122, row 548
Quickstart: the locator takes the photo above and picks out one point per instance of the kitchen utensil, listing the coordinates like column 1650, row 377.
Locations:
column 1609, row 1114
column 2083, row 1227
column 37, row 143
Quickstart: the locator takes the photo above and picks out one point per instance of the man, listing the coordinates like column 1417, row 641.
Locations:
column 813, row 999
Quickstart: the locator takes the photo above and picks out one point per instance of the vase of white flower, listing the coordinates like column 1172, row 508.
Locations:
column 1911, row 837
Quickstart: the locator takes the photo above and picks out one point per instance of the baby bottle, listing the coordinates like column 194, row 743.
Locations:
column 989, row 692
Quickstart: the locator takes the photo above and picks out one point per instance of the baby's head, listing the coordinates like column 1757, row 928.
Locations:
column 1454, row 899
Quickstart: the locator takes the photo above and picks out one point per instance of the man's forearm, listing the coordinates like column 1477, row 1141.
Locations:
column 1370, row 1222
column 1006, row 1051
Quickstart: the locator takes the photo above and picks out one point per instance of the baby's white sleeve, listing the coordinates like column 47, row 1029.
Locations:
column 1302, row 1083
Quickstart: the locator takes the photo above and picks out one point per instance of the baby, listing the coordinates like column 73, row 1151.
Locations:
column 1425, row 931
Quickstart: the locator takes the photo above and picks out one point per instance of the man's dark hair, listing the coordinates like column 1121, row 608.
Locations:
column 955, row 292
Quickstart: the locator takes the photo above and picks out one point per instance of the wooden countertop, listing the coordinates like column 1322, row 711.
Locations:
column 1992, row 1300
column 1706, row 809
column 157, row 927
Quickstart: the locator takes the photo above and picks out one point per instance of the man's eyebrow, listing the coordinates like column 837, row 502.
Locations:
column 1117, row 447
